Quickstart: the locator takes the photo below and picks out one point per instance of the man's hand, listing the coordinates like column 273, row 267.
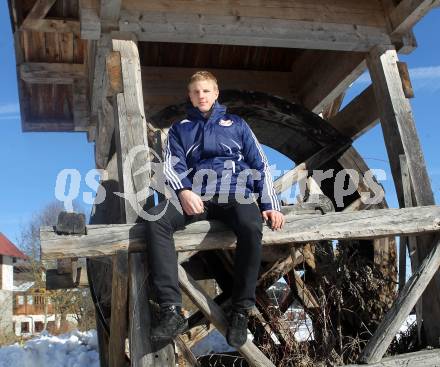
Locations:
column 275, row 217
column 192, row 203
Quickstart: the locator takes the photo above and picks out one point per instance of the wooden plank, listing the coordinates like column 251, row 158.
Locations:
column 401, row 137
column 423, row 358
column 300, row 171
column 118, row 323
column 214, row 29
column 90, row 23
column 402, row 306
column 52, row 26
column 306, row 297
column 39, row 10
column 81, row 107
column 214, row 313
column 357, row 117
column 204, row 235
column 109, row 14
column 331, row 77
column 406, row 183
column 406, row 81
column 408, row 12
column 131, row 128
column 99, row 73
column 131, row 133
column 362, row 12
column 408, row 242
column 51, row 73
column 398, row 124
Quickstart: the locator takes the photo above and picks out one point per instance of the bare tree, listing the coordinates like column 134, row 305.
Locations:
column 65, row 301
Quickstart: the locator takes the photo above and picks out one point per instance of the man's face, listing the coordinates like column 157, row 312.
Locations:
column 203, row 94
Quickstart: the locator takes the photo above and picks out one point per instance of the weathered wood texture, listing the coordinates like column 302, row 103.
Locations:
column 51, row 73
column 406, row 80
column 401, row 137
column 214, row 313
column 118, row 324
column 39, row 10
column 424, row 358
column 134, row 176
column 408, row 12
column 402, row 306
column 90, row 23
column 228, row 29
column 105, row 240
column 359, row 116
column 362, row 12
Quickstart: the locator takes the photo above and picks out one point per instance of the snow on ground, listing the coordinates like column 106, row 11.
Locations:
column 79, row 349
column 74, row 349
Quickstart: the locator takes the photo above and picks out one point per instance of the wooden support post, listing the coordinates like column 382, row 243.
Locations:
column 118, row 324
column 408, row 242
column 131, row 137
column 402, row 306
column 401, row 137
column 214, row 313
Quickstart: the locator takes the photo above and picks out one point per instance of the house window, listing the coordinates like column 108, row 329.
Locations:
column 38, row 326
column 20, row 300
column 30, row 300
column 39, row 300
column 25, row 327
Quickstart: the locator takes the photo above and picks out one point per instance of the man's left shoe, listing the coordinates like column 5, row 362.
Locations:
column 170, row 324
column 236, row 334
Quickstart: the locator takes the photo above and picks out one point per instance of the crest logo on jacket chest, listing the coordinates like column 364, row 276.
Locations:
column 225, row 122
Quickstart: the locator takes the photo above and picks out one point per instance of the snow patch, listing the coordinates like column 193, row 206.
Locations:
column 74, row 349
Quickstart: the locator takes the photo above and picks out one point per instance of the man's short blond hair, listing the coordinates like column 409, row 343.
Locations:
column 203, row 75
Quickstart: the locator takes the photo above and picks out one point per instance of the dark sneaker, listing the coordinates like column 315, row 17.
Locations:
column 170, row 324
column 236, row 334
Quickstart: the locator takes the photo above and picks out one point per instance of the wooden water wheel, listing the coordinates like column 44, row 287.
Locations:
column 300, row 135
column 117, row 71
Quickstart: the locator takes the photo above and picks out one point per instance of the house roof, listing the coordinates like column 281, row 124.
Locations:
column 7, row 248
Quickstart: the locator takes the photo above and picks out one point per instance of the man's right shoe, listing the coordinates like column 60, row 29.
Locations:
column 236, row 335
column 170, row 324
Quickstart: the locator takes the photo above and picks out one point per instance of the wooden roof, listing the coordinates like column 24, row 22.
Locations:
column 314, row 48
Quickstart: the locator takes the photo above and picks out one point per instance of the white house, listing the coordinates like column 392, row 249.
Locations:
column 9, row 253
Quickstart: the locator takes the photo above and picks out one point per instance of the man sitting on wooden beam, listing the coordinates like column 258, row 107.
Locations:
column 218, row 170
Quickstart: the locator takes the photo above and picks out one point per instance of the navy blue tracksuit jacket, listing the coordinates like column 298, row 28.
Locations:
column 218, row 155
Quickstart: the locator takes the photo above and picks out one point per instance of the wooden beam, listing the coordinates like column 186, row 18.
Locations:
column 109, row 14
column 51, row 73
column 359, row 116
column 331, row 77
column 424, row 358
column 406, row 80
column 300, row 171
column 401, row 137
column 134, row 178
column 402, row 306
column 362, row 12
column 249, row 31
column 90, row 22
column 214, row 313
column 398, row 124
column 52, row 26
column 118, row 323
column 38, row 11
column 408, row 12
column 105, row 240
column 81, row 106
